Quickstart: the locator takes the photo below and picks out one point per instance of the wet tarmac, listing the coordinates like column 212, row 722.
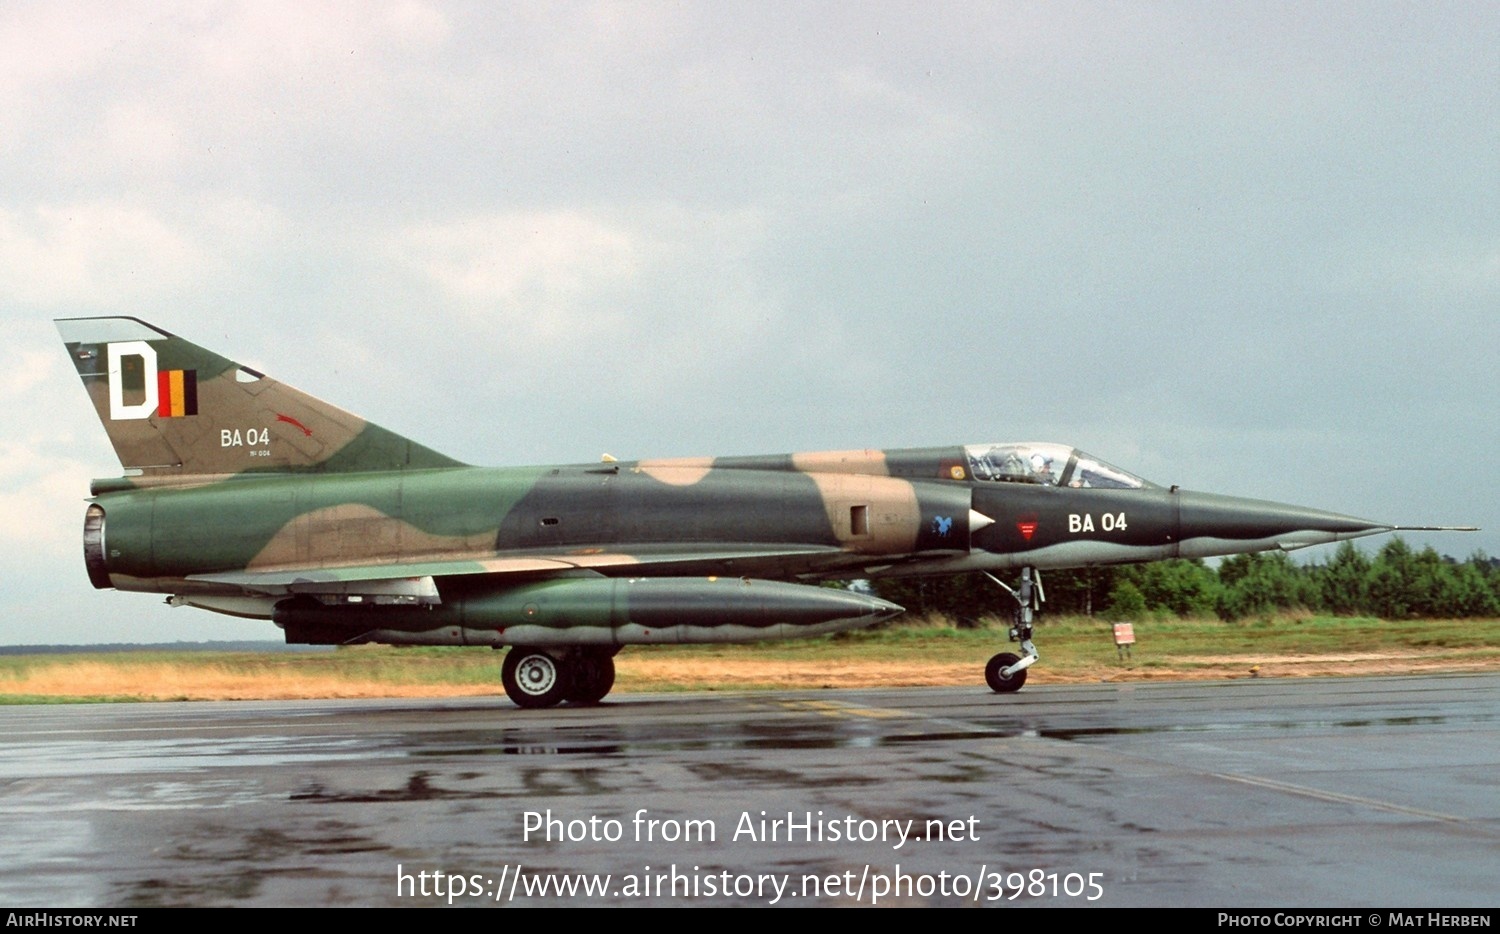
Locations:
column 1251, row 794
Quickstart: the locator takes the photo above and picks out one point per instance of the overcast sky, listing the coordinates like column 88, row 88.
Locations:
column 1250, row 249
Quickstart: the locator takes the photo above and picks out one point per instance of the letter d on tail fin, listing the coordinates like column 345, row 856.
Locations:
column 173, row 409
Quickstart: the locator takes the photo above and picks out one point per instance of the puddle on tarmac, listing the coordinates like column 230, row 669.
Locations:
column 797, row 737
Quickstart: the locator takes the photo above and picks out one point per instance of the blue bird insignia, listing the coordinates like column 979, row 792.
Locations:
column 942, row 525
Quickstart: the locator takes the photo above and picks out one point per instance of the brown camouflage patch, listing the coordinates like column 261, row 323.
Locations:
column 868, row 462
column 353, row 533
column 677, row 471
column 871, row 515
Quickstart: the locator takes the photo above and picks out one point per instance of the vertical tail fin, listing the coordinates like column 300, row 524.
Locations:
column 174, row 410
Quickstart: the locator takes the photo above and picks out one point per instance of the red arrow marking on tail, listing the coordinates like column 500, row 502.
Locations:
column 294, row 423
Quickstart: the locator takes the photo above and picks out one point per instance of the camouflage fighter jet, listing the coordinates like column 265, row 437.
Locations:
column 244, row 496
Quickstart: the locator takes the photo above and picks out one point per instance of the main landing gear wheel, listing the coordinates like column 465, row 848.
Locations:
column 593, row 676
column 997, row 681
column 534, row 679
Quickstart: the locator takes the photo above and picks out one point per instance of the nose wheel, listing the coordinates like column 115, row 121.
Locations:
column 1006, row 672
column 998, row 680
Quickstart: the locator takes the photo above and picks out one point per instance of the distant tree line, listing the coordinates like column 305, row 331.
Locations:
column 1397, row 583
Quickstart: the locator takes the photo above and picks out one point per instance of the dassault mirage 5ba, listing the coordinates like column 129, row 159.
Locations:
column 244, row 496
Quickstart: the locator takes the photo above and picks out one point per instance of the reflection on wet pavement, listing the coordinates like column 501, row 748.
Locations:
column 1181, row 794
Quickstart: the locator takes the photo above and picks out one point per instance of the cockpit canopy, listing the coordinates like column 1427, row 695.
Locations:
column 1048, row 465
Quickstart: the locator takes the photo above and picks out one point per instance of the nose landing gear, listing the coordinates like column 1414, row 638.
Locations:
column 1006, row 672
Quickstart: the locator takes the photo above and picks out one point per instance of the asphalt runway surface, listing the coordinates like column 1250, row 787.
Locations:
column 1375, row 792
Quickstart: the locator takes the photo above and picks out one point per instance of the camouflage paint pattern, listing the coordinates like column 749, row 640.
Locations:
column 246, row 496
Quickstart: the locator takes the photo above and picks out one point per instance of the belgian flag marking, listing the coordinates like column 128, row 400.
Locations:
column 176, row 393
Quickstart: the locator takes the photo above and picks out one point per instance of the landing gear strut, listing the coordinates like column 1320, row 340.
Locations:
column 1006, row 672
column 536, row 678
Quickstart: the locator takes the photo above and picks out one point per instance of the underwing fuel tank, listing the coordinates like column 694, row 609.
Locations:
column 592, row 611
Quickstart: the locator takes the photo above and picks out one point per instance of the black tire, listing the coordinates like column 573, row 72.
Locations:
column 1004, row 685
column 534, row 679
column 593, row 677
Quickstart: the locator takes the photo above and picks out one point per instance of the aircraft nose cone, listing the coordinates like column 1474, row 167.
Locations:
column 1210, row 523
